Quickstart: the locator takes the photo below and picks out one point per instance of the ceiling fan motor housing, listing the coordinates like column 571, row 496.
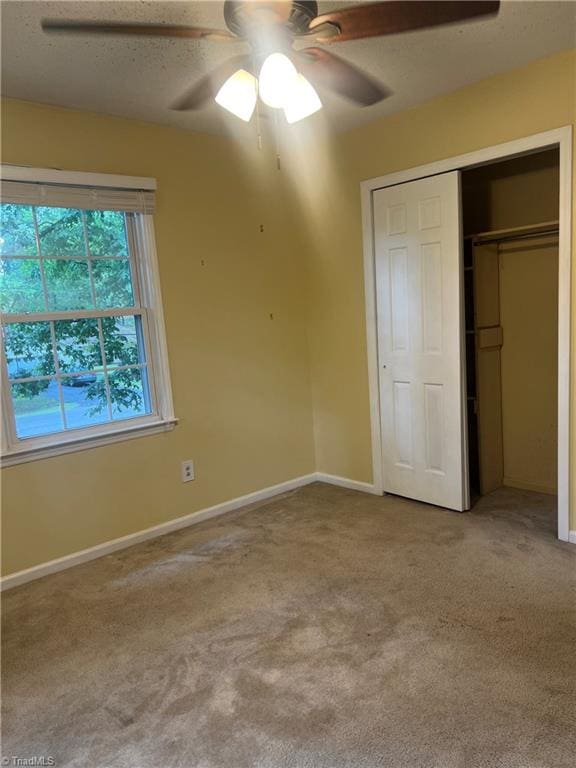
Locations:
column 240, row 17
column 303, row 11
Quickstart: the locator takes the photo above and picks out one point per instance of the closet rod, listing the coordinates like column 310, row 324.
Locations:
column 507, row 238
column 520, row 233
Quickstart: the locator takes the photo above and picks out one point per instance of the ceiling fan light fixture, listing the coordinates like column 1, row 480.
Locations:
column 278, row 77
column 238, row 94
column 281, row 22
column 302, row 102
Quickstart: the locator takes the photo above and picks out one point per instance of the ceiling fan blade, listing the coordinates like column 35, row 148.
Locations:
column 394, row 16
column 208, row 86
column 326, row 69
column 130, row 28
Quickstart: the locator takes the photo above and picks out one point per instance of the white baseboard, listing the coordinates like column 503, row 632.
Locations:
column 92, row 553
column 572, row 537
column 344, row 482
column 525, row 485
column 84, row 555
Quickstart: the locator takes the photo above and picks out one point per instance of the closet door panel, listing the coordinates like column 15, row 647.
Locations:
column 418, row 255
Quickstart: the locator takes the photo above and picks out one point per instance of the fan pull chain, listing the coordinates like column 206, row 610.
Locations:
column 258, row 125
column 276, row 132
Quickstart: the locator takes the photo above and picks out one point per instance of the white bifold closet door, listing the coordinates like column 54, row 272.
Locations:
column 419, row 279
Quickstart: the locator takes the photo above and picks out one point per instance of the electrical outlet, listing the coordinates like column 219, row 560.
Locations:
column 187, row 471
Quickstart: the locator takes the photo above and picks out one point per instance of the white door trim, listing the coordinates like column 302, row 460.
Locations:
column 561, row 138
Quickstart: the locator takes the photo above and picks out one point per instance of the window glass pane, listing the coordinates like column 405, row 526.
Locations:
column 123, row 342
column 129, row 393
column 36, row 408
column 106, row 233
column 21, row 286
column 67, row 284
column 112, row 283
column 28, row 348
column 85, row 401
column 17, row 235
column 78, row 345
column 86, row 371
column 61, row 232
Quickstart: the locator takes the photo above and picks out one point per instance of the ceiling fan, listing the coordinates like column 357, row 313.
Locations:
column 281, row 74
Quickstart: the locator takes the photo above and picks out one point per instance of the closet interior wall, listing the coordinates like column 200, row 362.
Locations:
column 510, row 212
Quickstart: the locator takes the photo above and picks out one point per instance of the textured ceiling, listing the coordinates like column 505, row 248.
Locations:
column 139, row 78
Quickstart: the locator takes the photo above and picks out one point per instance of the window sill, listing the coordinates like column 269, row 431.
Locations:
column 86, row 442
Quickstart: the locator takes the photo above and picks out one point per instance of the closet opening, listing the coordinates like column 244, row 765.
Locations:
column 510, row 226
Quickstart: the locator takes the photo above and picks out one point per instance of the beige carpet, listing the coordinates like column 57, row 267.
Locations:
column 323, row 629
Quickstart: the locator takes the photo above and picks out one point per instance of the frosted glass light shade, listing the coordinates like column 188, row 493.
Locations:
column 277, row 79
column 302, row 101
column 238, row 94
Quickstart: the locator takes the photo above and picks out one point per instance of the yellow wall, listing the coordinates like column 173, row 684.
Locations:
column 240, row 379
column 529, row 316
column 538, row 97
column 513, row 193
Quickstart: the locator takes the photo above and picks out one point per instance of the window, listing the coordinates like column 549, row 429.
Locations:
column 82, row 336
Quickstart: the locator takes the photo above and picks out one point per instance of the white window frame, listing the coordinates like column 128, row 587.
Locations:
column 146, row 279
